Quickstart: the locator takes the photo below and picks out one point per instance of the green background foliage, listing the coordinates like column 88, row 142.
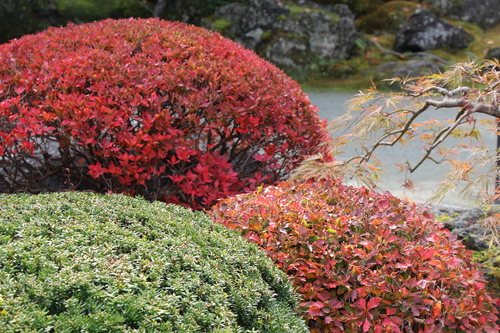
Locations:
column 92, row 10
column 21, row 17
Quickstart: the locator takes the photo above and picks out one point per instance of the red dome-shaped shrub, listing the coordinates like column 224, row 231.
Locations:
column 161, row 109
column 364, row 261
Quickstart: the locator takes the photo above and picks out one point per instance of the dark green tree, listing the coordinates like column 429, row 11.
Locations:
column 22, row 17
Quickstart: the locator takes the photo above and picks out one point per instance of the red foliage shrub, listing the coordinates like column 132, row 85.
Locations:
column 363, row 261
column 161, row 109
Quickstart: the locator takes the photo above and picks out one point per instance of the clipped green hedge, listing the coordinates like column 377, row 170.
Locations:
column 81, row 262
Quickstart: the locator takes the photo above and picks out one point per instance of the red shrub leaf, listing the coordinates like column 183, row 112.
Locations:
column 373, row 303
column 380, row 274
column 140, row 113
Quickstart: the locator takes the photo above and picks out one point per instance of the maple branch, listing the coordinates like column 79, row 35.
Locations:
column 492, row 110
column 376, row 119
column 467, row 106
column 401, row 132
column 445, row 92
column 439, row 139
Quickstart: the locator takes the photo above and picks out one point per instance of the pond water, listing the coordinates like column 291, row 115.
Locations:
column 426, row 178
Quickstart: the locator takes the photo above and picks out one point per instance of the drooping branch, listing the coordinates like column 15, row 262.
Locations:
column 467, row 108
column 159, row 8
column 145, row 6
column 439, row 139
column 407, row 126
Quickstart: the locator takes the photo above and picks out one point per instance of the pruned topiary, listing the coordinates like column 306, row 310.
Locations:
column 162, row 109
column 81, row 262
column 364, row 261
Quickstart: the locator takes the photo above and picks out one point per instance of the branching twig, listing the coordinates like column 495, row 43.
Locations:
column 159, row 8
column 438, row 140
column 401, row 132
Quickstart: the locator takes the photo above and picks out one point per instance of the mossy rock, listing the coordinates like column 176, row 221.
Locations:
column 81, row 262
column 221, row 25
column 295, row 10
column 490, row 260
column 388, row 18
column 359, row 7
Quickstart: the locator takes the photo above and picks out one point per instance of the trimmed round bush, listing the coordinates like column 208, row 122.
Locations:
column 364, row 261
column 161, row 109
column 82, row 262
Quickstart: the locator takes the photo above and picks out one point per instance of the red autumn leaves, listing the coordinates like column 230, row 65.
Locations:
column 160, row 109
column 363, row 261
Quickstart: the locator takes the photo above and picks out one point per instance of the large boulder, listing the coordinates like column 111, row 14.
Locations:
column 484, row 13
column 288, row 51
column 247, row 18
column 325, row 32
column 291, row 36
column 424, row 31
column 441, row 7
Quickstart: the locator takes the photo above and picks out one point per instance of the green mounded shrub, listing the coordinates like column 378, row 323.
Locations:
column 161, row 109
column 364, row 261
column 81, row 262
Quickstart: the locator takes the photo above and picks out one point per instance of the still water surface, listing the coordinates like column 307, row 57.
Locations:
column 426, row 178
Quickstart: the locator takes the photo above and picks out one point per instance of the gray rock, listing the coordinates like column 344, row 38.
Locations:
column 485, row 13
column 411, row 68
column 256, row 14
column 424, row 31
column 287, row 51
column 334, row 45
column 493, row 53
column 329, row 30
column 253, row 38
column 465, row 222
column 291, row 40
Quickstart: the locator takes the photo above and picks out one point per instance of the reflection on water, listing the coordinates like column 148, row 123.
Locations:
column 426, row 178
